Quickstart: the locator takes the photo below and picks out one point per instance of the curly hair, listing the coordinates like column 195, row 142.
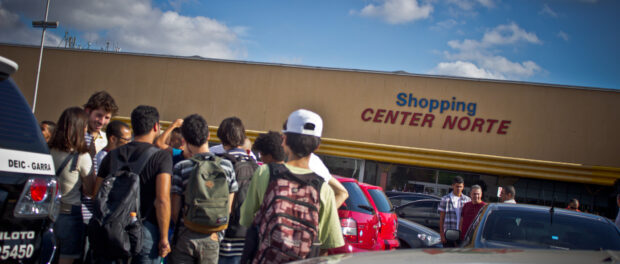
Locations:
column 270, row 144
column 195, row 130
column 102, row 100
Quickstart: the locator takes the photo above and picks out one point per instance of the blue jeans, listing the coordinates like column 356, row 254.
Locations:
column 150, row 245
column 70, row 232
column 229, row 260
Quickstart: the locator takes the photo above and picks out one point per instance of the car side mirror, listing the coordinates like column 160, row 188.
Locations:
column 453, row 234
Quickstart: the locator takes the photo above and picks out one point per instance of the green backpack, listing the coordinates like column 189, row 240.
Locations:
column 206, row 196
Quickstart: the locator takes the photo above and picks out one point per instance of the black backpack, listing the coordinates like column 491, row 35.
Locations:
column 244, row 170
column 112, row 231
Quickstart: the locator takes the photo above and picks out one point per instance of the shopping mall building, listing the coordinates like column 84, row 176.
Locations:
column 393, row 129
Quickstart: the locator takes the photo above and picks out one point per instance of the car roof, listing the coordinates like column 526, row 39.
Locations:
column 343, row 179
column 429, row 196
column 370, row 186
column 540, row 209
column 474, row 255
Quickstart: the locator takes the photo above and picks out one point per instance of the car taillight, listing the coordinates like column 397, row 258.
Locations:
column 39, row 199
column 349, row 229
column 395, row 228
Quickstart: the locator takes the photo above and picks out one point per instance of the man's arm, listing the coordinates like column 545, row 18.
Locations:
column 162, row 211
column 175, row 205
column 442, row 217
column 161, row 141
column 340, row 193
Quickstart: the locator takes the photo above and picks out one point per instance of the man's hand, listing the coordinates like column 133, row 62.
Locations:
column 177, row 123
column 164, row 248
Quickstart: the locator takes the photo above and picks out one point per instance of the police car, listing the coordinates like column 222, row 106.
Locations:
column 29, row 197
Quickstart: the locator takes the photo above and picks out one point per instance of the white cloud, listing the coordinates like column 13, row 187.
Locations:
column 500, row 35
column 135, row 25
column 563, row 35
column 446, row 24
column 465, row 69
column 547, row 10
column 398, row 11
column 471, row 4
column 478, row 58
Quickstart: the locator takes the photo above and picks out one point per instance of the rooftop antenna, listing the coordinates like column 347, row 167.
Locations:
column 41, row 24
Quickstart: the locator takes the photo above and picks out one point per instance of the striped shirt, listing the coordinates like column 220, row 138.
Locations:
column 452, row 205
column 233, row 246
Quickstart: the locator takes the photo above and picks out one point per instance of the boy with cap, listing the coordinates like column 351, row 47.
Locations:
column 302, row 136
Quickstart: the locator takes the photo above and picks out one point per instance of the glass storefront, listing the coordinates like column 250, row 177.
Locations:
column 593, row 198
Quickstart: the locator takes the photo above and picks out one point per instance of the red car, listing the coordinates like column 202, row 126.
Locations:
column 387, row 216
column 360, row 223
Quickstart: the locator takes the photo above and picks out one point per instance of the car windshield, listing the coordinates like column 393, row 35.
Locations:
column 357, row 200
column 538, row 229
column 381, row 201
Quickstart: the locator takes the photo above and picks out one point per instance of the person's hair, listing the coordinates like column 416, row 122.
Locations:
column 458, row 179
column 143, row 118
column 69, row 135
column 195, row 130
column 102, row 100
column 302, row 145
column 476, row 187
column 114, row 129
column 574, row 201
column 231, row 132
column 270, row 144
column 51, row 126
column 509, row 189
column 177, row 130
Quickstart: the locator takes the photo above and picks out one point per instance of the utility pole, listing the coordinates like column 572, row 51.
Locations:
column 41, row 24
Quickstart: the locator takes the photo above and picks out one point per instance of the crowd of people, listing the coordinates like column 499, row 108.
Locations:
column 194, row 203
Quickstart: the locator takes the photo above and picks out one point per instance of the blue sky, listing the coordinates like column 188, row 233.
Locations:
column 568, row 42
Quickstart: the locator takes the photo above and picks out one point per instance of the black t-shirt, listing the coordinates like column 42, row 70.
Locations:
column 160, row 162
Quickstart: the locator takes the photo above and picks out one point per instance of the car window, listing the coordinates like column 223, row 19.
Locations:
column 357, row 200
column 18, row 128
column 538, row 229
column 381, row 201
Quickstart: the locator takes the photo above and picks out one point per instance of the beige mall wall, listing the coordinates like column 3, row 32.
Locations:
column 540, row 122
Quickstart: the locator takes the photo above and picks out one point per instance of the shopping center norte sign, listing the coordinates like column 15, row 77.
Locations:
column 449, row 114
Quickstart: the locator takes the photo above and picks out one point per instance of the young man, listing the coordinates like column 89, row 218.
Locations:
column 117, row 133
column 232, row 134
column 507, row 195
column 470, row 210
column 100, row 107
column 301, row 137
column 155, row 181
column 191, row 246
column 450, row 209
column 269, row 147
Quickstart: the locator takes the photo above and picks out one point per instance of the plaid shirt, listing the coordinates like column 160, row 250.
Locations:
column 451, row 220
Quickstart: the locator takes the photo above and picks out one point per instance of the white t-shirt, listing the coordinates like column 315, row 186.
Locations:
column 458, row 207
column 316, row 165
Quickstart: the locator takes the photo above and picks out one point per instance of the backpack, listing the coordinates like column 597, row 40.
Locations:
column 244, row 170
column 206, row 196
column 112, row 231
column 288, row 219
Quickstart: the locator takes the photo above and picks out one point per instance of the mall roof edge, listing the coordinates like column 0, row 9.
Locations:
column 400, row 72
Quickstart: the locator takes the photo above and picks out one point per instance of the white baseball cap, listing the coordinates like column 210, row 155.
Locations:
column 304, row 122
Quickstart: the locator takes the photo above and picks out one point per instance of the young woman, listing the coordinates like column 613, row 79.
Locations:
column 74, row 170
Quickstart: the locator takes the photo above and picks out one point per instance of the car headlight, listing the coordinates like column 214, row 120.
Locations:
column 429, row 240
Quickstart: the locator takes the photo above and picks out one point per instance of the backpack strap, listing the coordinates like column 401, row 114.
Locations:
column 64, row 162
column 138, row 165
